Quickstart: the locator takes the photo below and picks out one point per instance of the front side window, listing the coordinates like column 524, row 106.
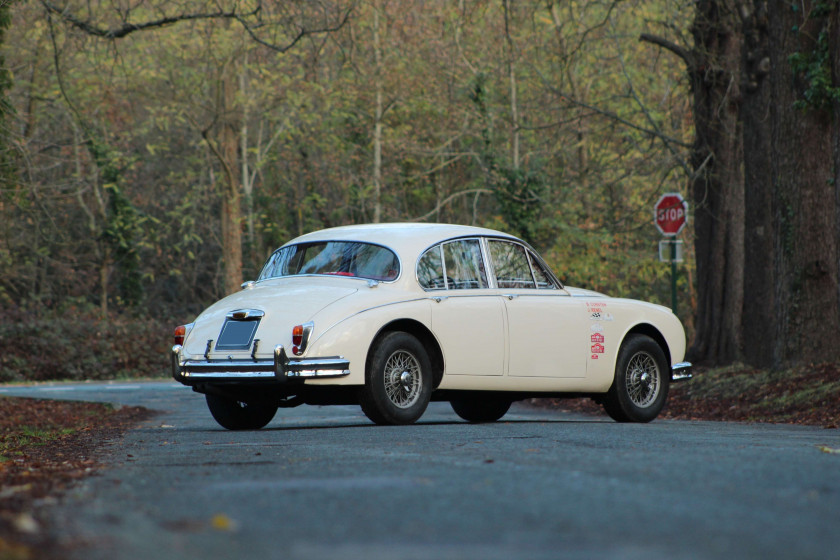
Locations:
column 336, row 258
column 541, row 275
column 510, row 263
column 516, row 267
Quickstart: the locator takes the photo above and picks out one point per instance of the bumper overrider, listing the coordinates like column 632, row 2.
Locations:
column 277, row 370
column 681, row 372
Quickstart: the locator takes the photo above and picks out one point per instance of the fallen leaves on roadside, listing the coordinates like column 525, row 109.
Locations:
column 25, row 523
column 46, row 446
column 222, row 522
column 11, row 550
column 826, row 449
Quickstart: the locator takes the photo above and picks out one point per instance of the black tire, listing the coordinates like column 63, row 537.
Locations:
column 236, row 415
column 481, row 408
column 398, row 380
column 642, row 377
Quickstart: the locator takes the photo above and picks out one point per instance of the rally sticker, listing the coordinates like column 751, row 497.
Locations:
column 601, row 316
column 597, row 337
column 597, row 348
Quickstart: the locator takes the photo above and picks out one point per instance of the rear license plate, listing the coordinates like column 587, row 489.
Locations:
column 237, row 335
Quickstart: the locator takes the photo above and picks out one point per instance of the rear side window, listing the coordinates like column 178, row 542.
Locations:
column 463, row 265
column 430, row 270
column 457, row 265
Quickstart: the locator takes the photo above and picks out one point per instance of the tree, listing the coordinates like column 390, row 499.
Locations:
column 535, row 116
column 5, row 84
column 276, row 27
column 765, row 83
column 717, row 183
column 791, row 130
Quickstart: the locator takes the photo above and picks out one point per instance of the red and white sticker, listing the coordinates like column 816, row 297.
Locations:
column 597, row 348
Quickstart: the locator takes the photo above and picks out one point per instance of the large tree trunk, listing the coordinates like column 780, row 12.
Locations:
column 760, row 299
column 792, row 311
column 377, row 119
column 231, row 195
column 717, row 188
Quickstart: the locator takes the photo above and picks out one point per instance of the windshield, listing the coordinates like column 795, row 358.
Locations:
column 339, row 258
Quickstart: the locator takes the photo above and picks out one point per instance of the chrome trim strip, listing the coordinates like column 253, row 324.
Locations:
column 488, row 264
column 280, row 368
column 246, row 314
column 228, row 375
column 304, row 341
column 681, row 372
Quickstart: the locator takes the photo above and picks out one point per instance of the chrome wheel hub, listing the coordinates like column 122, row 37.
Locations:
column 403, row 381
column 643, row 380
column 406, row 380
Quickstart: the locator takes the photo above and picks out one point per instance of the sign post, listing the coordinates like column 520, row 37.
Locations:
column 670, row 214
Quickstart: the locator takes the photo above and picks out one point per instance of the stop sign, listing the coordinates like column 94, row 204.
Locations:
column 670, row 213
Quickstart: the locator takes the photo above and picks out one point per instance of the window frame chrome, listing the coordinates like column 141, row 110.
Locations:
column 489, row 267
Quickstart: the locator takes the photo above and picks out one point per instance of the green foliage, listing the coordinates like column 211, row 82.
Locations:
column 518, row 193
column 5, row 75
column 123, row 229
column 814, row 65
column 580, row 191
column 76, row 344
column 122, row 233
column 6, row 109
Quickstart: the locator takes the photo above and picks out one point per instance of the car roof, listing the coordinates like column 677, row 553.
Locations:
column 404, row 238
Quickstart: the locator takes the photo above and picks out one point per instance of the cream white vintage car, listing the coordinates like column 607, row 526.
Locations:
column 391, row 316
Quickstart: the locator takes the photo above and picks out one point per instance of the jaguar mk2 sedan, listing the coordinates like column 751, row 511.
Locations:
column 392, row 316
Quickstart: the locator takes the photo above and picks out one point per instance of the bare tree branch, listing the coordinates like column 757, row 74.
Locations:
column 127, row 28
column 450, row 198
column 87, row 26
column 681, row 52
column 302, row 32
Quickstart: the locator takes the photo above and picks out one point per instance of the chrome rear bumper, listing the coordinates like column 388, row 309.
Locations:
column 279, row 369
column 681, row 372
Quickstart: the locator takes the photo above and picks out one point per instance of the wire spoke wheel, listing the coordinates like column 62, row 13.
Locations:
column 640, row 387
column 643, row 380
column 398, row 382
column 403, row 381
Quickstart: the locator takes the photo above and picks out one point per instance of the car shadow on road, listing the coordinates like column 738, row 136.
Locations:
column 362, row 424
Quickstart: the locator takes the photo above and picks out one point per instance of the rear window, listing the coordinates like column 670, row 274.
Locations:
column 334, row 258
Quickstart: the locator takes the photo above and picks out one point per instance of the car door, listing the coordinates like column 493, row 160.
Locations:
column 546, row 327
column 467, row 316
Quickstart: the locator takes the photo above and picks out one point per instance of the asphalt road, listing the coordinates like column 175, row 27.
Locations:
column 325, row 483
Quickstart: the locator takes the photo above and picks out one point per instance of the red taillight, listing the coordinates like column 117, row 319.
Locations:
column 297, row 339
column 180, row 332
column 300, row 338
